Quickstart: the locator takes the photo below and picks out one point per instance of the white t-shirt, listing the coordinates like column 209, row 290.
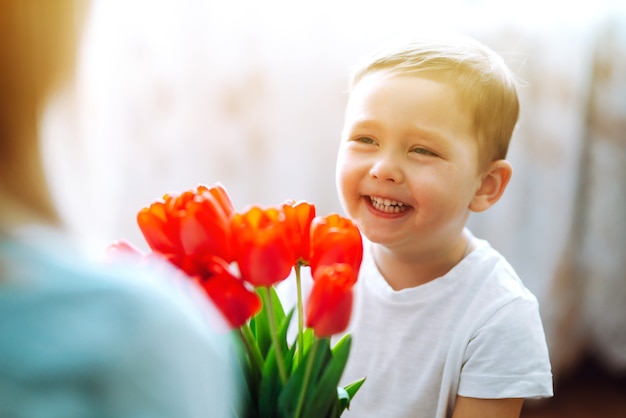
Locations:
column 475, row 332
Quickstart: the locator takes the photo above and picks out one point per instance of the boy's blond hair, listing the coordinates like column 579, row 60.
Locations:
column 481, row 78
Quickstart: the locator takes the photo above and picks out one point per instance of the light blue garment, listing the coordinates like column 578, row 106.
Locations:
column 79, row 339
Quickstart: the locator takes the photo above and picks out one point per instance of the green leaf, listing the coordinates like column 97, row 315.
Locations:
column 341, row 344
column 343, row 399
column 289, row 352
column 284, row 326
column 312, row 384
column 354, row 387
column 308, row 337
column 249, row 392
column 262, row 334
column 288, row 398
column 279, row 312
column 351, row 390
column 270, row 386
column 324, row 392
column 318, row 356
column 260, row 324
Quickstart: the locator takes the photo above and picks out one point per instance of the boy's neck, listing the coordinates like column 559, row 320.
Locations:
column 403, row 271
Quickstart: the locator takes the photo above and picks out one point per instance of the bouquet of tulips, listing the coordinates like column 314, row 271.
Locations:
column 237, row 259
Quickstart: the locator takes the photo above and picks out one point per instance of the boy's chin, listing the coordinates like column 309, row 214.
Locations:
column 383, row 238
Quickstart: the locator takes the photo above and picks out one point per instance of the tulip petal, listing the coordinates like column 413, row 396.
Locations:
column 221, row 196
column 329, row 306
column 260, row 246
column 159, row 231
column 335, row 239
column 298, row 218
column 230, row 294
column 205, row 230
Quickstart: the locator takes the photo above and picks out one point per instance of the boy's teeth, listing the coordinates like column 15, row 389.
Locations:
column 386, row 205
column 385, row 202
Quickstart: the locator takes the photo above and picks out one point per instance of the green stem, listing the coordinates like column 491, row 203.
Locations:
column 307, row 377
column 280, row 361
column 256, row 358
column 254, row 364
column 300, row 315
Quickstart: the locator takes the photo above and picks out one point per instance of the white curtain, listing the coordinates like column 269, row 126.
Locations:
column 171, row 94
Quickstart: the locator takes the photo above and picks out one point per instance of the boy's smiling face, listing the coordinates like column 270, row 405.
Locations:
column 407, row 167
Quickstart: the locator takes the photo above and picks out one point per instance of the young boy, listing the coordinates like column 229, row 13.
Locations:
column 442, row 326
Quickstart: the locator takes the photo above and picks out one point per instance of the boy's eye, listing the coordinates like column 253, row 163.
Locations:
column 423, row 151
column 365, row 140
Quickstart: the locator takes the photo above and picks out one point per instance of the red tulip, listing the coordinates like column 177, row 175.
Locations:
column 230, row 294
column 298, row 216
column 191, row 227
column 261, row 247
column 329, row 306
column 205, row 227
column 160, row 228
column 335, row 239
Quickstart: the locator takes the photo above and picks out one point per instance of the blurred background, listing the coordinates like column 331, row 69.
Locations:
column 172, row 94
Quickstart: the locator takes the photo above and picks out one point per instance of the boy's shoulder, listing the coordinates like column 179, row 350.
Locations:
column 493, row 293
column 484, row 275
column 488, row 263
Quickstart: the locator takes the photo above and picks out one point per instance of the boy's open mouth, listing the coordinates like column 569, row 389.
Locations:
column 387, row 205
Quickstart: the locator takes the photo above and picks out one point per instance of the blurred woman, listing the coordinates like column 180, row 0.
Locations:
column 79, row 339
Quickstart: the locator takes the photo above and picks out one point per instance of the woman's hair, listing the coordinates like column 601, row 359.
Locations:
column 481, row 78
column 37, row 49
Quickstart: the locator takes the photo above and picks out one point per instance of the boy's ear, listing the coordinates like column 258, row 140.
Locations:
column 494, row 182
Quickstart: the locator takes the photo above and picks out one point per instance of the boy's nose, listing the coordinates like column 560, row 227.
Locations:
column 386, row 169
